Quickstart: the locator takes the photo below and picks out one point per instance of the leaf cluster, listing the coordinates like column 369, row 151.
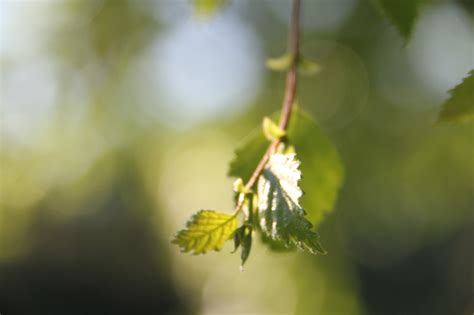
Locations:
column 273, row 208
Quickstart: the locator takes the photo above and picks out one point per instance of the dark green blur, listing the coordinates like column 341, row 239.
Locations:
column 86, row 213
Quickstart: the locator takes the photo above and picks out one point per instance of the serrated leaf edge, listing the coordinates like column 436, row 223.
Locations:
column 202, row 248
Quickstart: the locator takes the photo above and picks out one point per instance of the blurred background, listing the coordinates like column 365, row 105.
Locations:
column 119, row 118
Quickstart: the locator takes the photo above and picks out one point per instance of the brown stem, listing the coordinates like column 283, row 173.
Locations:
column 291, row 77
column 289, row 98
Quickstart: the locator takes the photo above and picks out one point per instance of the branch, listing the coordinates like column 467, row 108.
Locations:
column 289, row 98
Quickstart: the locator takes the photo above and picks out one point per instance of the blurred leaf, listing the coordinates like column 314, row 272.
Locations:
column 248, row 154
column 308, row 67
column 281, row 216
column 207, row 230
column 282, row 63
column 321, row 165
column 402, row 13
column 271, row 130
column 460, row 106
column 208, row 7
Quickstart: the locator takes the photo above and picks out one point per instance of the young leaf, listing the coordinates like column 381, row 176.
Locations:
column 321, row 165
column 208, row 7
column 246, row 244
column 207, row 230
column 460, row 106
column 238, row 237
column 402, row 13
column 308, row 67
column 239, row 186
column 280, row 215
column 271, row 130
column 243, row 235
column 282, row 63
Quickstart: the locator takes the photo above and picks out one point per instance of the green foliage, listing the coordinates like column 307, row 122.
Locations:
column 208, row 7
column 274, row 208
column 271, row 130
column 281, row 217
column 207, row 230
column 460, row 106
column 321, row 165
column 402, row 13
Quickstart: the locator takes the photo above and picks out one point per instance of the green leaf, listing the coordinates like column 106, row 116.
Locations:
column 246, row 244
column 208, row 7
column 321, row 165
column 238, row 237
column 308, row 67
column 282, row 63
column 276, row 246
column 402, row 13
column 248, row 154
column 271, row 130
column 207, row 230
column 280, row 215
column 460, row 106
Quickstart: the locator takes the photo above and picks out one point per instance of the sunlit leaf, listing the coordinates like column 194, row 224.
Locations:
column 460, row 106
column 271, row 130
column 207, row 230
column 402, row 13
column 321, row 165
column 239, row 186
column 280, row 215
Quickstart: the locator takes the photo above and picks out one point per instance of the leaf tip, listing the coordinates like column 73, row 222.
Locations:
column 271, row 130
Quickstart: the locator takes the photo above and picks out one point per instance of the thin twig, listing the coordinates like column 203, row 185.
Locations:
column 289, row 98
